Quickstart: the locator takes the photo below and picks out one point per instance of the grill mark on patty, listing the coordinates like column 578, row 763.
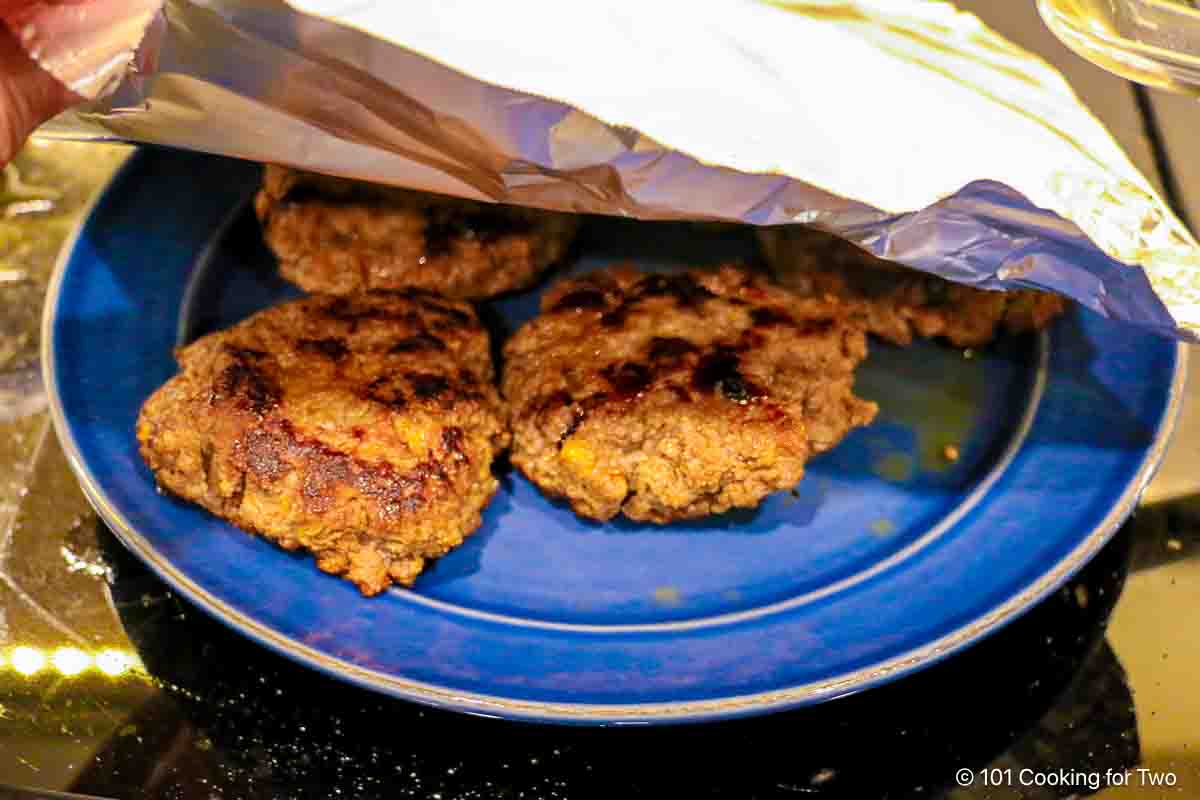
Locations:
column 770, row 317
column 687, row 291
column 664, row 348
column 681, row 394
column 816, row 327
column 243, row 382
column 429, row 301
column 452, row 443
column 244, row 353
column 344, row 309
column 683, row 288
column 426, row 386
column 617, row 317
column 272, row 450
column 581, row 300
column 447, row 225
column 721, row 369
column 549, row 405
column 776, row 317
column 333, row 348
column 715, row 369
column 578, row 415
column 628, row 379
column 422, row 342
column 383, row 391
column 579, row 410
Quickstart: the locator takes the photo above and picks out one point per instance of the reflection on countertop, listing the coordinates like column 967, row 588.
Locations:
column 202, row 712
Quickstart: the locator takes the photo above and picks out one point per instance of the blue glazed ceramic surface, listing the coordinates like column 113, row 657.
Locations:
column 885, row 558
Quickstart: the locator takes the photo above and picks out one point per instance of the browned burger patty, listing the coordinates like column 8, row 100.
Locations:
column 673, row 397
column 897, row 303
column 359, row 428
column 339, row 236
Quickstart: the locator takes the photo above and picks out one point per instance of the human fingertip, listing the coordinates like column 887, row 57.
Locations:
column 28, row 95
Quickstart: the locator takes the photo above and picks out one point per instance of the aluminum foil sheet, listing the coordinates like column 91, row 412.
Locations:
column 905, row 126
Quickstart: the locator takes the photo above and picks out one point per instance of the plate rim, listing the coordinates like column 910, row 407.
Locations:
column 479, row 704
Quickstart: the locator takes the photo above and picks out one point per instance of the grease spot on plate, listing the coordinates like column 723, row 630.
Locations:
column 931, row 393
column 667, row 596
column 895, row 467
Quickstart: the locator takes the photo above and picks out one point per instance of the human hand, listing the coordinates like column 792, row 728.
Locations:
column 28, row 95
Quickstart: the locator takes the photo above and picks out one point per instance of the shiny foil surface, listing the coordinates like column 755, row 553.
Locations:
column 909, row 128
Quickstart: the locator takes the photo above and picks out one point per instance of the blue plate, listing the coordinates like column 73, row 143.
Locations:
column 887, row 557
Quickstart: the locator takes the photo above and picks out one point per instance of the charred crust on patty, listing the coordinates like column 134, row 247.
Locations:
column 416, row 344
column 666, row 397
column 306, row 424
column 242, row 382
column 899, row 304
column 330, row 347
column 339, row 236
